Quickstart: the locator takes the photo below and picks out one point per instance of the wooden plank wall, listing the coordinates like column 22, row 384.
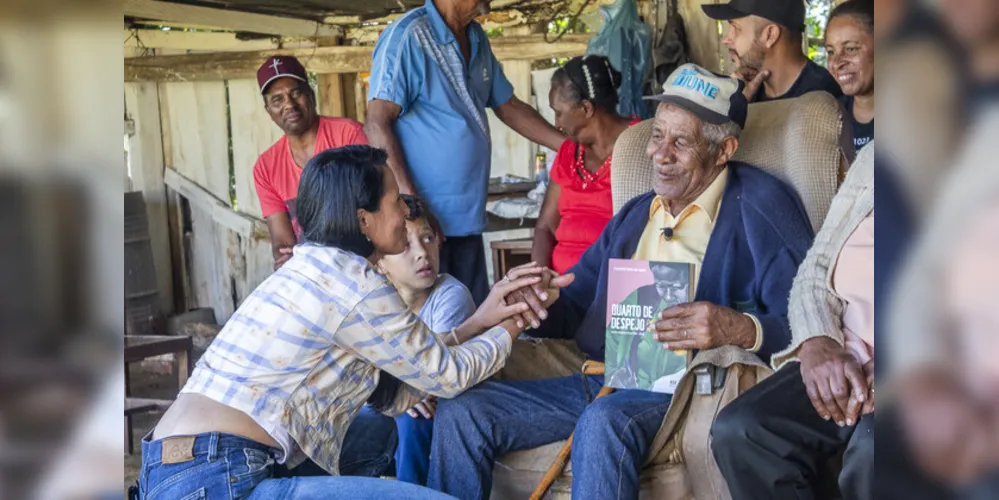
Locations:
column 195, row 118
column 253, row 132
column 702, row 35
column 512, row 153
column 146, row 153
column 227, row 247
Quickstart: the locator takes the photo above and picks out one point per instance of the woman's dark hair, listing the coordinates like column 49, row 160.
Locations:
column 418, row 210
column 861, row 10
column 334, row 186
column 590, row 78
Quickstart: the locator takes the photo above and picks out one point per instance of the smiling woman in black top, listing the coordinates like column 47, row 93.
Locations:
column 850, row 51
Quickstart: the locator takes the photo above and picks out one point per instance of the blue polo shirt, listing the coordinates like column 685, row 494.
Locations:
column 443, row 128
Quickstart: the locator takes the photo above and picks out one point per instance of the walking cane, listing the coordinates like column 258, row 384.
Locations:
column 555, row 470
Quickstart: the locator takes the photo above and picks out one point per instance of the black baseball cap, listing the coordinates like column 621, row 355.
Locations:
column 788, row 13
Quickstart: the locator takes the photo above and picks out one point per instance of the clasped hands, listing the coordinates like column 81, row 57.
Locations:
column 839, row 388
column 531, row 289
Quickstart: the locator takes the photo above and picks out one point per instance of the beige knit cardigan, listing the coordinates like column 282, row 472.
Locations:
column 815, row 309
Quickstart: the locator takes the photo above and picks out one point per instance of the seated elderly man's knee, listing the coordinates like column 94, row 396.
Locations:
column 630, row 417
column 602, row 414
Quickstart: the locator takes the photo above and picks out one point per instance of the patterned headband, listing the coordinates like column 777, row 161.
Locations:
column 589, row 80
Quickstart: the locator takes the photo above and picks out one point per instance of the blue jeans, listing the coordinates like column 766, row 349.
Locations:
column 412, row 457
column 613, row 434
column 223, row 466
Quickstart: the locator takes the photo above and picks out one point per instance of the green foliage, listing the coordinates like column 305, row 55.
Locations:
column 556, row 26
column 815, row 29
column 567, row 25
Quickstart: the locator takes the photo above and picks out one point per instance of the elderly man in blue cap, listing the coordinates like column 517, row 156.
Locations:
column 744, row 231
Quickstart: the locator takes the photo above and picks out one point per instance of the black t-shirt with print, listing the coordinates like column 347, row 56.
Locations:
column 812, row 78
column 863, row 133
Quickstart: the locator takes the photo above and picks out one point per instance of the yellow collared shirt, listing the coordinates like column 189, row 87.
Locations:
column 692, row 229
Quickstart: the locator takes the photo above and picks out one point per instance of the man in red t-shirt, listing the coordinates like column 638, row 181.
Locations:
column 291, row 103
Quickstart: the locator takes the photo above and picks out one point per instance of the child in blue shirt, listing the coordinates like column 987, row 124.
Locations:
column 443, row 303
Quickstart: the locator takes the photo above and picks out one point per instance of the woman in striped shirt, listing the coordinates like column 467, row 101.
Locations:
column 296, row 362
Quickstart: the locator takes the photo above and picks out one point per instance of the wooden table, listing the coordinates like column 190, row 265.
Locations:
column 508, row 254
column 140, row 347
column 498, row 190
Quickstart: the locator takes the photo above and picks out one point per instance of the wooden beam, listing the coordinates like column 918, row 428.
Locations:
column 341, row 59
column 349, row 89
column 533, row 47
column 189, row 40
column 331, row 94
column 235, row 65
column 244, row 225
column 137, row 39
column 230, row 19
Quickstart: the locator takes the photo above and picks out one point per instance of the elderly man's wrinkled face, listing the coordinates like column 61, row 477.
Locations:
column 680, row 155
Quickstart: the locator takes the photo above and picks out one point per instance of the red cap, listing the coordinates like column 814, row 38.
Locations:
column 278, row 67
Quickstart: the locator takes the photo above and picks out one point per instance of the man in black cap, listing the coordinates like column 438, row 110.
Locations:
column 764, row 38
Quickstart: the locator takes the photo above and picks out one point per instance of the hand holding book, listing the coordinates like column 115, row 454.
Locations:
column 703, row 325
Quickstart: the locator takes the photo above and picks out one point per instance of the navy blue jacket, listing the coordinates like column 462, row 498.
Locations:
column 760, row 237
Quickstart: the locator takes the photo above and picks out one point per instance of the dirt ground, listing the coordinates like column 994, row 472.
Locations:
column 146, row 385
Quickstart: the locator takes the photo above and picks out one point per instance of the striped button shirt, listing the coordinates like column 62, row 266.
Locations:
column 304, row 351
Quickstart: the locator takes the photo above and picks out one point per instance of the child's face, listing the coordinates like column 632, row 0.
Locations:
column 416, row 267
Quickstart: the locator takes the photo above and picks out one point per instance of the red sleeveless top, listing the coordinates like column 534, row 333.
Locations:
column 585, row 207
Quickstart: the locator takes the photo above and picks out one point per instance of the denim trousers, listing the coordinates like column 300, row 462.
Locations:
column 221, row 466
column 612, row 434
column 412, row 457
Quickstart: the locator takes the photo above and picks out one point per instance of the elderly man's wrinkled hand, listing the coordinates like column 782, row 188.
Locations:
column 703, row 325
column 497, row 307
column 834, row 380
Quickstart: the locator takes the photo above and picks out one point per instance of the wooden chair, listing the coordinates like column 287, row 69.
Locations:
column 589, row 368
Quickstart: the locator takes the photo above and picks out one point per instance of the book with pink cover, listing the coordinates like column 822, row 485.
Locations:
column 637, row 292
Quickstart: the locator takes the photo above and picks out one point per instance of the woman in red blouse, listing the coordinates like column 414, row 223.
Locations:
column 577, row 203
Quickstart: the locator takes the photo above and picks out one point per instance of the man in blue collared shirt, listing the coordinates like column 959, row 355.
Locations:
column 432, row 77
